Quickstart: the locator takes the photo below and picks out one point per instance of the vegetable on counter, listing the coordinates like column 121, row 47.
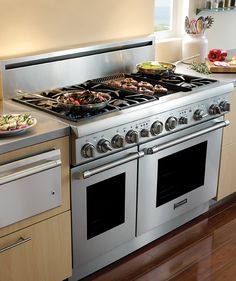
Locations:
column 217, row 55
column 200, row 68
column 10, row 122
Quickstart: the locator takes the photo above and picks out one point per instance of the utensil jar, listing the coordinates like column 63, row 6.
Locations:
column 195, row 44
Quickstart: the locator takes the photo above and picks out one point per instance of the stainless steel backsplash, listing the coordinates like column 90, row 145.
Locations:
column 73, row 66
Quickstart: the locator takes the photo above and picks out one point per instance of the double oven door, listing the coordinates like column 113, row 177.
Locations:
column 103, row 205
column 178, row 173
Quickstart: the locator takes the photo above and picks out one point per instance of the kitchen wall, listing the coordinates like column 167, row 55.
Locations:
column 34, row 26
column 222, row 33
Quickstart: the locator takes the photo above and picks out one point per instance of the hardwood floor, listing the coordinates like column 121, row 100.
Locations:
column 201, row 250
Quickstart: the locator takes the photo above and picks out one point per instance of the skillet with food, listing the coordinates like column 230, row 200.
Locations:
column 83, row 100
column 156, row 68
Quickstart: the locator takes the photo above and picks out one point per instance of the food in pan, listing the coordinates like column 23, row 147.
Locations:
column 85, row 97
column 144, row 90
column 160, row 89
column 146, row 85
column 155, row 67
column 114, row 83
column 129, row 86
column 143, row 87
column 130, row 81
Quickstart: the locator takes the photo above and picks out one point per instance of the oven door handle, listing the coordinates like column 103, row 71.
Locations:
column 105, row 167
column 163, row 146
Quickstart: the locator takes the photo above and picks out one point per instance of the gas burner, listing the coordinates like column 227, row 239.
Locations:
column 174, row 79
column 120, row 98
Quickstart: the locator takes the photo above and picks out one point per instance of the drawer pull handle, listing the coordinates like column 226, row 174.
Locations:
column 20, row 241
column 30, row 171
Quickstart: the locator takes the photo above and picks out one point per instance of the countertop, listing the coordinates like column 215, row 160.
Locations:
column 46, row 128
column 226, row 77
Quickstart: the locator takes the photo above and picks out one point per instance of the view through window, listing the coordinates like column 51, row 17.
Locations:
column 169, row 18
column 163, row 15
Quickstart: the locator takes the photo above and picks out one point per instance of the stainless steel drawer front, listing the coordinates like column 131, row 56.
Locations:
column 29, row 186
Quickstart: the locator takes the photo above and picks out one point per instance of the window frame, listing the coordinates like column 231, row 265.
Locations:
column 180, row 9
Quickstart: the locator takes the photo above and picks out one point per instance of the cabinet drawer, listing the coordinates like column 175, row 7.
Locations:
column 41, row 252
column 29, row 186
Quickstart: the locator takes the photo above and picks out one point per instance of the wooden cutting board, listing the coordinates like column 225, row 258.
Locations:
column 214, row 68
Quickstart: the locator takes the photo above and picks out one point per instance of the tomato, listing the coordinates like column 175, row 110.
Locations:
column 77, row 102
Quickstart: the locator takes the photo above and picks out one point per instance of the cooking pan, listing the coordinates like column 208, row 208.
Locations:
column 156, row 68
column 159, row 67
column 83, row 100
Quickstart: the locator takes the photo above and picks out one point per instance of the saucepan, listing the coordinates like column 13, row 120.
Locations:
column 159, row 68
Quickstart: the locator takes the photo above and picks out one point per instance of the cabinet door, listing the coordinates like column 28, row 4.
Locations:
column 41, row 252
column 227, row 176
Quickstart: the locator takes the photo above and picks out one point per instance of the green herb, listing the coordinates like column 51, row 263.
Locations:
column 200, row 67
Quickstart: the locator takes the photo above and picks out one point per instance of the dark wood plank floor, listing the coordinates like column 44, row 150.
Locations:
column 201, row 250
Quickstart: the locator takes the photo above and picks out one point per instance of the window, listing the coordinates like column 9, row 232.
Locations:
column 163, row 15
column 169, row 17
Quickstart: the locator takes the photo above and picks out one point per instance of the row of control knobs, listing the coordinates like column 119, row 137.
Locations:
column 132, row 136
column 214, row 109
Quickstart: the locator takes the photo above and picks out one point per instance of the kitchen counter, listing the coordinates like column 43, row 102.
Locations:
column 46, row 128
column 226, row 77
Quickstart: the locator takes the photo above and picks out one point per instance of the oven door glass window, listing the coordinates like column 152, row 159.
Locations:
column 177, row 179
column 105, row 205
column 181, row 172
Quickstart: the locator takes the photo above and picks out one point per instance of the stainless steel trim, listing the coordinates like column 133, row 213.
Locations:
column 158, row 148
column 20, row 241
column 32, row 185
column 130, row 157
column 12, row 176
column 32, row 73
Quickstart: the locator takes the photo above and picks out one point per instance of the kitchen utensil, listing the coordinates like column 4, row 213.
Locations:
column 156, row 68
column 160, row 68
column 64, row 100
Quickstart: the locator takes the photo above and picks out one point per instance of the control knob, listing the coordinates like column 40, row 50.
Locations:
column 156, row 128
column 87, row 150
column 171, row 123
column 199, row 114
column 183, row 120
column 132, row 136
column 214, row 109
column 104, row 146
column 144, row 133
column 224, row 106
column 117, row 141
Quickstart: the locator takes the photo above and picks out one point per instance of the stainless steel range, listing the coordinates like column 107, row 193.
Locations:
column 145, row 163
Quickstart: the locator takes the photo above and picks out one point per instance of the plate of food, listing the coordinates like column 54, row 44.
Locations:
column 13, row 124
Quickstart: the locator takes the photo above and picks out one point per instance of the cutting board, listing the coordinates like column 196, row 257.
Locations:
column 223, row 69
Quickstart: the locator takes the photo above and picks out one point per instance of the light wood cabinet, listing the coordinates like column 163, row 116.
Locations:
column 45, row 255
column 227, row 175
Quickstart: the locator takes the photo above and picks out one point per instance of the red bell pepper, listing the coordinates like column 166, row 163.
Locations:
column 217, row 55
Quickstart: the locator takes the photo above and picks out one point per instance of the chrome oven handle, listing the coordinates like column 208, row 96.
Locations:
column 94, row 171
column 163, row 146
